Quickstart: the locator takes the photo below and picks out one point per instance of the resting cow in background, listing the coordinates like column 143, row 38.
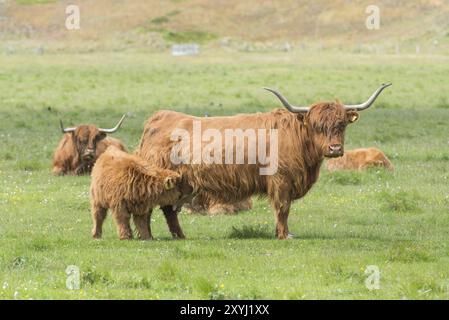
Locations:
column 205, row 204
column 360, row 159
column 306, row 136
column 81, row 146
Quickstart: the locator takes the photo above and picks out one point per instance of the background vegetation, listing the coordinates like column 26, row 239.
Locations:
column 397, row 221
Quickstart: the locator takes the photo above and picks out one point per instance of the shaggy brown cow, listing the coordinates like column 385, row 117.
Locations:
column 205, row 204
column 128, row 185
column 81, row 146
column 359, row 159
column 306, row 136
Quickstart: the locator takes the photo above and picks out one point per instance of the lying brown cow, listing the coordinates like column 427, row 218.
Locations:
column 360, row 159
column 306, row 136
column 205, row 204
column 81, row 146
column 128, row 185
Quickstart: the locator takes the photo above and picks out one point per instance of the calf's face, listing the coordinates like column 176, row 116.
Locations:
column 85, row 139
column 178, row 187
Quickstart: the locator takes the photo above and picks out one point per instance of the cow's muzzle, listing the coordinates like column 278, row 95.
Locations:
column 335, row 150
column 88, row 154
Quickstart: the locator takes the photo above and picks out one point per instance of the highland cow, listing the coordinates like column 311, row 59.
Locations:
column 306, row 136
column 81, row 146
column 129, row 186
column 360, row 159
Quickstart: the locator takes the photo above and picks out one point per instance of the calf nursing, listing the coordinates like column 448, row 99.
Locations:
column 130, row 186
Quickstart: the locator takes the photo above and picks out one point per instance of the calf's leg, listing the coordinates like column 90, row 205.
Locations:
column 142, row 226
column 172, row 220
column 58, row 171
column 98, row 216
column 122, row 219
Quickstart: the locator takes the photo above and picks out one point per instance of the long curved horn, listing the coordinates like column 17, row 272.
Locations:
column 370, row 101
column 286, row 104
column 115, row 128
column 66, row 130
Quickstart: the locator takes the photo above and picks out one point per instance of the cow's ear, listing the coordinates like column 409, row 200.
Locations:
column 353, row 116
column 301, row 117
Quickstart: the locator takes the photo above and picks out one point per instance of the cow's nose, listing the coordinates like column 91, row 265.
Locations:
column 336, row 149
column 89, row 152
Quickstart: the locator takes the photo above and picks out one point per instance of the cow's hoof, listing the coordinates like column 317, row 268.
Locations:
column 96, row 235
column 178, row 236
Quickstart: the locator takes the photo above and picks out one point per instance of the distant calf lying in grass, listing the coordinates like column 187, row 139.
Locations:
column 359, row 159
column 129, row 185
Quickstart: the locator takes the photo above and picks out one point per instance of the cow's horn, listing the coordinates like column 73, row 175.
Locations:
column 66, row 130
column 370, row 101
column 286, row 104
column 116, row 127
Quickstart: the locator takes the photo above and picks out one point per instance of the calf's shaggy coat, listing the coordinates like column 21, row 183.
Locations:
column 360, row 159
column 129, row 186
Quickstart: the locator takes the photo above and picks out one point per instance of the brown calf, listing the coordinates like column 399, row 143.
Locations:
column 359, row 159
column 128, row 185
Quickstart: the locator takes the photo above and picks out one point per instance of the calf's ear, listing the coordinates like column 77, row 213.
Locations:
column 169, row 183
column 353, row 116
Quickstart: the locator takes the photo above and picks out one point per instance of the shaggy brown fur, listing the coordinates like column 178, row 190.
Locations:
column 77, row 151
column 360, row 159
column 205, row 204
column 128, row 185
column 304, row 140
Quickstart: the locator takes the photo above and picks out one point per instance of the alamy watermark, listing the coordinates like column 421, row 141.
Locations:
column 372, row 281
column 72, row 281
column 213, row 146
column 372, row 22
column 72, row 21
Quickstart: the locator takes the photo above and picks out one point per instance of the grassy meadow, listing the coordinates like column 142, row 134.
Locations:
column 397, row 221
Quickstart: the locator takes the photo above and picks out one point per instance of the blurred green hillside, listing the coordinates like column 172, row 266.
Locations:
column 250, row 25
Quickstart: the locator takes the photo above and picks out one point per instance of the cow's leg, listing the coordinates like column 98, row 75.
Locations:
column 172, row 220
column 142, row 226
column 149, row 222
column 280, row 200
column 122, row 219
column 282, row 210
column 98, row 216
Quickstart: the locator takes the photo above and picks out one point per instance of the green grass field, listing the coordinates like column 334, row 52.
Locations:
column 397, row 221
